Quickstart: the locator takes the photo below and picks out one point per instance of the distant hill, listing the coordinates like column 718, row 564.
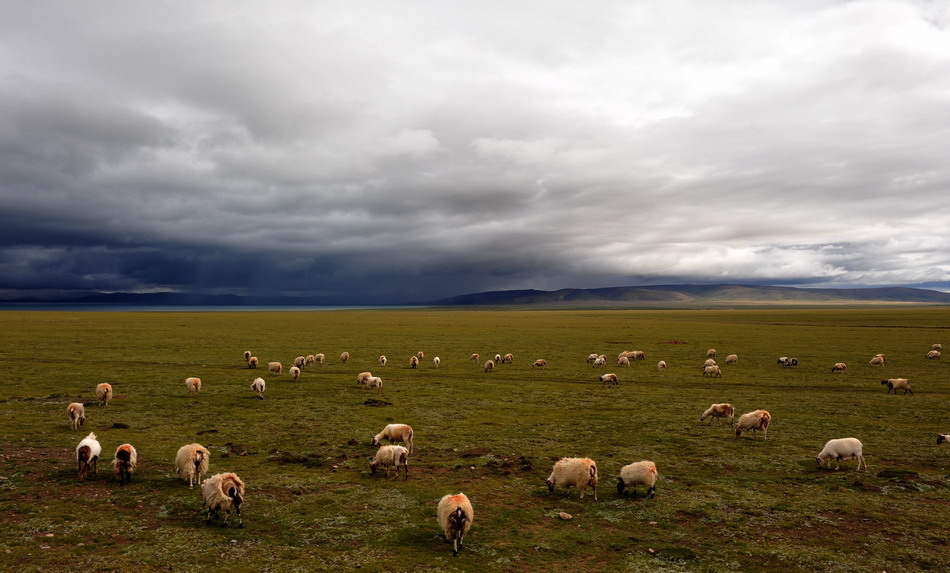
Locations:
column 674, row 296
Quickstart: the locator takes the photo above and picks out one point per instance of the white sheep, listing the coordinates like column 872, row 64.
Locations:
column 374, row 382
column 87, row 455
column 540, row 363
column 498, row 359
column 638, row 473
column 294, row 373
column 896, row 384
column 362, row 377
column 247, row 355
column 104, row 393
column 783, row 360
column 623, row 361
column 77, row 415
column 309, row 360
column 437, row 361
column 489, row 366
column 193, row 384
column 252, row 362
column 382, row 360
column 941, row 438
column 877, row 360
column 719, row 411
column 124, row 463
column 222, row 492
column 420, row 355
column 936, row 346
column 839, row 367
column 475, row 358
column 275, row 368
column 933, row 355
column 319, row 358
column 258, row 385
column 455, row 518
column 191, row 462
column 394, row 433
column 413, row 361
column 712, row 371
column 300, row 361
column 755, row 420
column 711, row 353
column 507, row 359
column 609, row 379
column 345, row 357
column 732, row 359
column 574, row 472
column 637, row 354
column 709, row 362
column 842, row 449
column 599, row 361
column 390, row 457
column 661, row 365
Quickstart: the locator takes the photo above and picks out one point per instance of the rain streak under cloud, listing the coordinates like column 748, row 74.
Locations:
column 385, row 152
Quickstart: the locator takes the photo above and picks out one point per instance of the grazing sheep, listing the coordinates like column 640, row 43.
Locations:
column 709, row 362
column 791, row 362
column 191, row 462
column 421, row 355
column 712, row 371
column 783, row 360
column 258, row 386
column 839, row 367
column 382, row 360
column 124, row 463
column 508, row 359
column 77, row 415
column 489, row 366
column 394, row 433
column 638, row 355
column 475, row 358
column 252, row 362
column 623, row 361
column 878, row 360
column 591, row 357
column 896, row 384
column 719, row 411
column 319, row 358
column 87, row 454
column 540, row 363
column 756, row 420
column 841, row 449
column 941, row 438
column 390, row 457
column 362, row 377
column 610, row 379
column 711, row 353
column 933, row 355
column 732, row 359
column 275, row 368
column 294, row 373
column 576, row 472
column 498, row 359
column 599, row 361
column 936, row 346
column 374, row 382
column 104, row 393
column 455, row 518
column 413, row 361
column 247, row 355
column 345, row 357
column 193, row 384
column 661, row 365
column 638, row 473
column 222, row 492
column 437, row 361
column 309, row 360
column 300, row 361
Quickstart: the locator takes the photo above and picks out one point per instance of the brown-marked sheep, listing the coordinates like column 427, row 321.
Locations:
column 87, row 455
column 623, row 361
column 475, row 358
column 193, row 384
column 104, row 393
column 574, row 472
column 719, row 411
column 252, row 362
column 489, row 366
column 191, row 462
column 258, row 385
column 247, row 355
column 508, row 359
column 394, row 433
column 896, row 384
column 839, row 367
column 841, row 449
column 661, row 365
column 390, row 457
column 362, row 377
column 77, row 415
column 609, row 379
column 124, row 463
column 638, row 473
column 420, row 355
column 275, row 368
column 222, row 492
column 756, row 420
column 455, row 518
column 540, row 363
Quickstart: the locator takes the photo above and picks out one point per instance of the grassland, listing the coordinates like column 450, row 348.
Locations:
column 722, row 504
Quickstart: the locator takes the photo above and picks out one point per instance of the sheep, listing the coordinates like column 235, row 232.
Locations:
column 300, row 361
column 933, row 355
column 374, row 382
column 600, row 361
column 591, row 357
column 638, row 473
column 877, row 360
column 489, row 366
column 413, row 361
column 508, row 359
column 540, row 363
column 936, row 346
column 455, row 518
column 475, row 358
column 104, row 393
column 124, row 463
column 382, row 360
column 223, row 491
column 610, row 379
column 319, row 358
column 896, row 384
column 498, row 359
column 275, row 368
column 623, row 361
column 362, row 377
column 345, row 357
column 252, row 362
column 712, row 371
column 390, row 457
column 247, row 355
column 732, row 359
column 437, row 361
column 719, row 411
column 258, row 386
column 576, row 472
column 421, row 355
column 394, row 433
column 783, row 360
column 191, row 462
column 77, row 415
column 87, row 454
column 294, row 373
column 637, row 354
column 841, row 449
column 193, row 384
column 661, row 365
column 941, row 438
column 839, row 367
column 709, row 362
column 791, row 362
column 756, row 420
column 309, row 360
column 711, row 353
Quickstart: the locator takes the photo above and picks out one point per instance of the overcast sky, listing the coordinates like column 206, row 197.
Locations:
column 393, row 151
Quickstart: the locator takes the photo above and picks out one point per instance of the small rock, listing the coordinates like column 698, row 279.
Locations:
column 651, row 551
column 652, row 523
column 565, row 516
column 50, row 535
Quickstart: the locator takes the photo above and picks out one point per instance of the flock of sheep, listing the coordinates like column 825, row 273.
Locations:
column 225, row 491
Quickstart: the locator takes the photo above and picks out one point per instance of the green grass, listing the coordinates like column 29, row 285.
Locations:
column 721, row 504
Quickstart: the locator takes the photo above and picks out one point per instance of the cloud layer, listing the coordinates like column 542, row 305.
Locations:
column 385, row 152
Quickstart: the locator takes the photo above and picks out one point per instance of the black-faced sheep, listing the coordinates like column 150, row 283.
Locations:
column 719, row 411
column 609, row 379
column 193, row 384
column 841, row 449
column 455, row 518
column 936, row 346
column 222, row 492
column 941, row 438
column 540, row 363
column 124, row 463
column 896, row 384
column 252, row 362
column 191, row 462
column 638, row 473
column 104, row 393
column 475, row 358
column 300, row 361
column 87, row 455
column 394, row 433
column 77, row 415
column 247, row 355
column 839, row 367
column 275, row 368
column 420, row 355
column 756, row 420
column 390, row 457
column 362, row 377
column 258, row 385
column 574, row 472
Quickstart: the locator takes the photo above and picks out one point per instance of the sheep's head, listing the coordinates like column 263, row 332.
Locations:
column 620, row 486
column 372, row 465
column 941, row 438
column 373, row 441
column 550, row 485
